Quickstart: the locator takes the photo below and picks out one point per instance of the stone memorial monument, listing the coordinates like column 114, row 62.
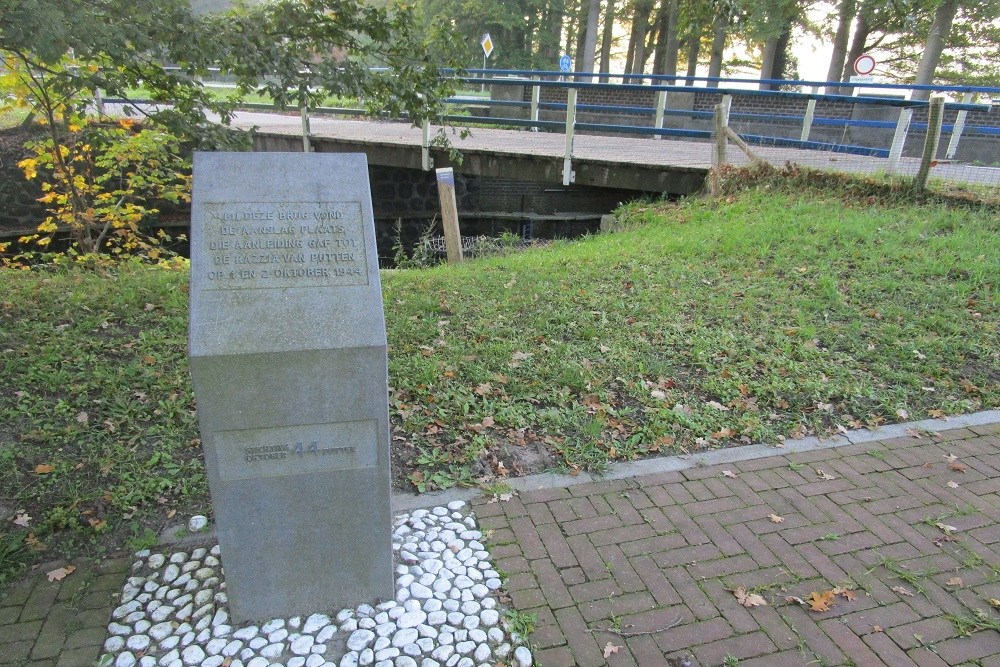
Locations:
column 288, row 357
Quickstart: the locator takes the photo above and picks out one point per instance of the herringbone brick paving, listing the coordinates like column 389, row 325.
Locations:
column 649, row 565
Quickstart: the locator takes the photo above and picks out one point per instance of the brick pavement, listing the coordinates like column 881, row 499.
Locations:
column 649, row 564
column 60, row 623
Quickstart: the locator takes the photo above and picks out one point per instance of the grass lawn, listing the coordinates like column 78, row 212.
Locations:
column 705, row 324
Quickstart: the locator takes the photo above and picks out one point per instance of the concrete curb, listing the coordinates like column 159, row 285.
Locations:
column 404, row 502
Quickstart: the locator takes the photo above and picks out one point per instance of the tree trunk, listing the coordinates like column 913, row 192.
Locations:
column 719, row 25
column 550, row 48
column 640, row 26
column 581, row 28
column 693, row 49
column 571, row 12
column 590, row 39
column 672, row 42
column 944, row 15
column 608, row 33
column 848, row 8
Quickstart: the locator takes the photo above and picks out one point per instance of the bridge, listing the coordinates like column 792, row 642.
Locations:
column 673, row 166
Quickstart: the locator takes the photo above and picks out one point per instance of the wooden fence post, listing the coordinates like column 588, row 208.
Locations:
column 304, row 112
column 935, row 114
column 449, row 214
column 426, row 163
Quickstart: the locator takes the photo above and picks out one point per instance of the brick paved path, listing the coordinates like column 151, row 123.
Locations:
column 60, row 623
column 655, row 559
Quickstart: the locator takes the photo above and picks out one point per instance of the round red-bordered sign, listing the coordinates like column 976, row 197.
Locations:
column 864, row 64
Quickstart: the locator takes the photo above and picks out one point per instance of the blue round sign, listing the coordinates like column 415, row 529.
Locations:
column 565, row 63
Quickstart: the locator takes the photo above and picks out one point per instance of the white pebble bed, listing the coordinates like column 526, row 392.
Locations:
column 174, row 611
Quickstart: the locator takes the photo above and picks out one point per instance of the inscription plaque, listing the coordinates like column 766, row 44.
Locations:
column 288, row 359
column 291, row 450
column 264, row 245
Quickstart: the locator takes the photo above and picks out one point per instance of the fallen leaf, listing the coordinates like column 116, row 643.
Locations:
column 609, row 649
column 798, row 432
column 22, row 520
column 796, row 600
column 952, row 485
column 749, row 599
column 34, row 543
column 946, row 529
column 937, row 414
column 902, row 591
column 776, row 519
column 902, row 414
column 658, row 394
column 846, row 593
column 994, row 602
column 43, row 469
column 171, row 514
column 957, row 467
column 821, row 601
column 956, row 581
column 913, row 433
column 717, row 406
column 60, row 573
column 82, row 417
column 729, row 473
column 824, row 475
column 877, row 628
column 97, row 524
column 950, row 458
column 149, row 360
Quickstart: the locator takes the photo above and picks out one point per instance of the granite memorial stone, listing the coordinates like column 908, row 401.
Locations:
column 288, row 357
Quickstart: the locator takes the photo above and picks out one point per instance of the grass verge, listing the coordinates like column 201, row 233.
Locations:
column 704, row 324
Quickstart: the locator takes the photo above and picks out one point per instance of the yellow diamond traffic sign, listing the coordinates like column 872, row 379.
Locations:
column 487, row 43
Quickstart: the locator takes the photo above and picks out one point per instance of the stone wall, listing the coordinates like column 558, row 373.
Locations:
column 19, row 208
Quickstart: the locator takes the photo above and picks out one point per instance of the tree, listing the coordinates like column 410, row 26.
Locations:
column 58, row 53
column 937, row 37
column 606, row 36
column 590, row 37
column 845, row 17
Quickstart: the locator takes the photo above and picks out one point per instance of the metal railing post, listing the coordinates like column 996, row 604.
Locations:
column 426, row 163
column 99, row 101
column 536, row 91
column 661, row 105
column 568, row 175
column 304, row 112
column 727, row 101
column 720, row 141
column 898, row 139
column 958, row 128
column 807, row 120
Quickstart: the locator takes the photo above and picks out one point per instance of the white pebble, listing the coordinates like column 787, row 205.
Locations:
column 523, row 656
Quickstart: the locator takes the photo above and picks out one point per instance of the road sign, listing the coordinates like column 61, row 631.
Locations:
column 565, row 63
column 862, row 78
column 487, row 43
column 864, row 64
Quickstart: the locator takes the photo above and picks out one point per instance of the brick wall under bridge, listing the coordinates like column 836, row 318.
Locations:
column 487, row 206
column 974, row 146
